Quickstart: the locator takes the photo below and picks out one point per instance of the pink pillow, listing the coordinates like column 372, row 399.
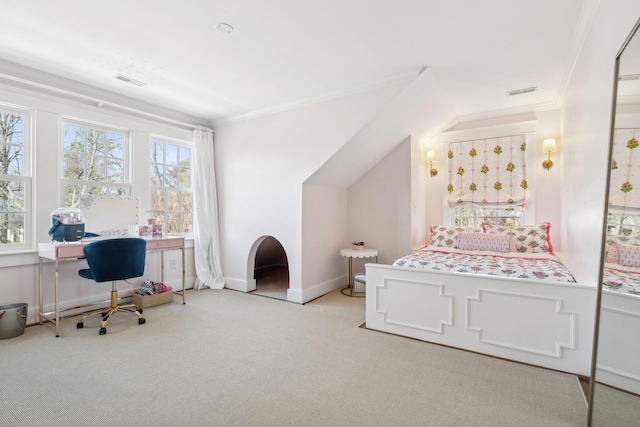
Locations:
column 526, row 238
column 629, row 255
column 484, row 242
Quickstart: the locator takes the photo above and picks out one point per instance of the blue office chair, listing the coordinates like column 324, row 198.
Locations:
column 112, row 260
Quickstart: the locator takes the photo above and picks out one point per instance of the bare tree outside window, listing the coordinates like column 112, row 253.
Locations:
column 170, row 183
column 12, row 181
column 94, row 162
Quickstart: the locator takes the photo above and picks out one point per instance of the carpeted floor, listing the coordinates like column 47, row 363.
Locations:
column 230, row 359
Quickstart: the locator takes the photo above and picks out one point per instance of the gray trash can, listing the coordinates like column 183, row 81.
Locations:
column 13, row 318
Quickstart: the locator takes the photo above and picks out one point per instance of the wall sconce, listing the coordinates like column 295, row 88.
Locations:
column 548, row 146
column 431, row 157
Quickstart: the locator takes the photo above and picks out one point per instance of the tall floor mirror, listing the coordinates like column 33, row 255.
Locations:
column 615, row 387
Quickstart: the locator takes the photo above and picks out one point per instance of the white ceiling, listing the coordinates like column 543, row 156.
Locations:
column 285, row 53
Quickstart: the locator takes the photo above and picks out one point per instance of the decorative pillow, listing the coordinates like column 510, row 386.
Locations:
column 629, row 255
column 612, row 242
column 526, row 238
column 484, row 242
column 447, row 237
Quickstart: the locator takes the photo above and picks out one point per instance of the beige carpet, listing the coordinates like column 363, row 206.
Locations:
column 232, row 359
column 613, row 407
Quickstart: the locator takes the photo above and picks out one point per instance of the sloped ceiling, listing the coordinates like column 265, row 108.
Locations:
column 288, row 53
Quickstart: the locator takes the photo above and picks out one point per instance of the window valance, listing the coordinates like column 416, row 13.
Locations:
column 488, row 173
column 624, row 190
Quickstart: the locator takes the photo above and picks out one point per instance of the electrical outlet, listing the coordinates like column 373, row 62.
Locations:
column 172, row 264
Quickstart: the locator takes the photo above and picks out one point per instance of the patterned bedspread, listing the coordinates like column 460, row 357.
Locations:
column 621, row 279
column 540, row 266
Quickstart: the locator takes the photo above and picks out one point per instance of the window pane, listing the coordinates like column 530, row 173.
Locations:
column 185, row 178
column 187, row 223
column 73, row 166
column 185, row 156
column 12, row 196
column 96, row 142
column 115, row 171
column 187, row 202
column 173, row 201
column 157, row 200
column 73, row 138
column 95, row 168
column 171, row 177
column 157, row 152
column 12, row 228
column 115, row 145
column 173, row 223
column 171, row 155
column 156, row 172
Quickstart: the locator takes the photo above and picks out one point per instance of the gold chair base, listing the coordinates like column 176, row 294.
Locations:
column 106, row 313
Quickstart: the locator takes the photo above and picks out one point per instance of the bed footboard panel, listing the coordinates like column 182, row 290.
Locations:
column 619, row 342
column 544, row 324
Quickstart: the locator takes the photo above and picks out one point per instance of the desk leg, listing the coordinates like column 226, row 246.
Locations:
column 40, row 302
column 183, row 293
column 57, row 299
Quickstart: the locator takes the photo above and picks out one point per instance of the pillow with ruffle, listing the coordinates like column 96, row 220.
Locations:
column 484, row 242
column 443, row 236
column 612, row 242
column 629, row 255
column 525, row 238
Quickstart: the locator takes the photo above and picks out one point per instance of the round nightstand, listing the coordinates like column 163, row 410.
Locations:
column 357, row 253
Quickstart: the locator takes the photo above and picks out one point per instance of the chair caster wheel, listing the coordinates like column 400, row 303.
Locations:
column 141, row 321
column 139, row 310
column 103, row 331
column 79, row 325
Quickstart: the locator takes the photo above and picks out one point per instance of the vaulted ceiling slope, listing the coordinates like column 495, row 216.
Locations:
column 290, row 53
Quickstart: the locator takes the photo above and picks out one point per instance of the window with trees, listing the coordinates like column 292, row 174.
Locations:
column 15, row 179
column 95, row 162
column 170, row 186
column 470, row 217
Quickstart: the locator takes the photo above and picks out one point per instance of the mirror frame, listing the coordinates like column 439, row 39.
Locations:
column 596, row 330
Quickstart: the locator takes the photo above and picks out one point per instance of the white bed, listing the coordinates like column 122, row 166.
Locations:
column 540, row 322
column 619, row 338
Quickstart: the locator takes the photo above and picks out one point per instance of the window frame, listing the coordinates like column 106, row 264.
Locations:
column 26, row 178
column 126, row 186
column 165, row 214
column 477, row 217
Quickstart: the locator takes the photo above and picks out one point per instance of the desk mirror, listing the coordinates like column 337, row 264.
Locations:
column 615, row 384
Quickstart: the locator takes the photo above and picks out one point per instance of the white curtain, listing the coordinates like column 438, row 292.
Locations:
column 205, row 225
column 488, row 173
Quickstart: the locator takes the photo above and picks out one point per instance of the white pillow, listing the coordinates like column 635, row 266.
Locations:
column 484, row 242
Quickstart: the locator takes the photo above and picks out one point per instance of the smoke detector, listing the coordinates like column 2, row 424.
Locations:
column 224, row 28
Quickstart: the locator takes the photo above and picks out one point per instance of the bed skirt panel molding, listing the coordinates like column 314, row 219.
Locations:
column 547, row 324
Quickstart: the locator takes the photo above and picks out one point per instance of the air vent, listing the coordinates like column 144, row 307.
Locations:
column 129, row 80
column 629, row 77
column 521, row 91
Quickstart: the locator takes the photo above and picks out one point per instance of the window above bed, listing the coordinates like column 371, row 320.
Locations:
column 470, row 217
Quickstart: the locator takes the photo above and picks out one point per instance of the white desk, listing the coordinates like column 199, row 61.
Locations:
column 357, row 253
column 58, row 251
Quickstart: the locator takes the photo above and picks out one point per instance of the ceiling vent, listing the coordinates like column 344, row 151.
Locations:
column 629, row 77
column 129, row 80
column 521, row 91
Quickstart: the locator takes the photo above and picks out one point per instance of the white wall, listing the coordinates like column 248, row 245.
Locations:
column 586, row 116
column 379, row 205
column 261, row 165
column 19, row 271
column 324, row 221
